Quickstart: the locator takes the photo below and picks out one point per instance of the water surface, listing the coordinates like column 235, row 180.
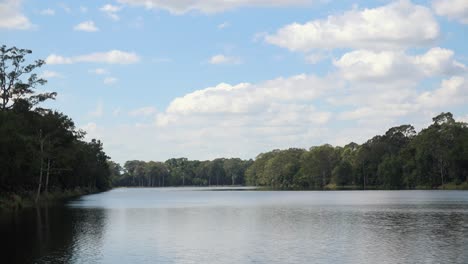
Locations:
column 190, row 225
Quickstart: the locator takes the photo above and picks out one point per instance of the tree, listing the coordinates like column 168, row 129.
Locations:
column 17, row 82
column 318, row 163
column 341, row 174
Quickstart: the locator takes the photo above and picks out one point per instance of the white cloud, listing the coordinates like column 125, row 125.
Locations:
column 111, row 11
column 397, row 25
column 282, row 97
column 56, row 59
column 210, row 6
column 222, row 59
column 11, row 16
column 110, row 57
column 110, row 80
column 143, row 111
column 453, row 9
column 245, row 119
column 83, row 9
column 87, row 26
column 365, row 65
column 99, row 71
column 314, row 58
column 47, row 12
column 453, row 91
column 229, row 121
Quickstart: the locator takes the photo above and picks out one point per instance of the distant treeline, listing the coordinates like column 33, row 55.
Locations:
column 399, row 159
column 41, row 150
column 180, row 172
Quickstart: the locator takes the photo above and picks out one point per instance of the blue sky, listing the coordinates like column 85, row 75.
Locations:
column 156, row 79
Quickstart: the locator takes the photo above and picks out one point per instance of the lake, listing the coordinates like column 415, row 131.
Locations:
column 219, row 225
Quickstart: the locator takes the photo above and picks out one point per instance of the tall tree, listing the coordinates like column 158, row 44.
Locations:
column 17, row 80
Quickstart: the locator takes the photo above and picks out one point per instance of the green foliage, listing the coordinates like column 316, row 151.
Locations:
column 17, row 81
column 401, row 158
column 41, row 149
column 341, row 174
column 181, row 172
column 437, row 157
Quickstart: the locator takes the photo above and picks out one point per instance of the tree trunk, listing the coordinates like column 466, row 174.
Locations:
column 42, row 165
column 441, row 172
column 323, row 179
column 47, row 177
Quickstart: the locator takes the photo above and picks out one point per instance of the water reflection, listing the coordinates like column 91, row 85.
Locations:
column 51, row 235
column 161, row 226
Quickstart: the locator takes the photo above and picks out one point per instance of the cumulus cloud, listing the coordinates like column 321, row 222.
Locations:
column 366, row 65
column 453, row 91
column 244, row 119
column 210, row 6
column 111, row 11
column 87, row 26
column 56, row 59
column 279, row 99
column 396, row 25
column 11, row 16
column 223, row 59
column 314, row 58
column 110, row 57
column 454, row 9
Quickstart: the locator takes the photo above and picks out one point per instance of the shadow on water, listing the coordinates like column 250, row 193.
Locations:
column 48, row 234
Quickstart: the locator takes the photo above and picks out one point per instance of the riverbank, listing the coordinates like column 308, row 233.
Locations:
column 453, row 186
column 334, row 187
column 18, row 200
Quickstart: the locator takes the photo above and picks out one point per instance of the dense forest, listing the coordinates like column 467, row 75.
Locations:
column 41, row 150
column 400, row 159
column 180, row 172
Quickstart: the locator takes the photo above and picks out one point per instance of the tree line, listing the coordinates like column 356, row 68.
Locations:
column 41, row 150
column 180, row 172
column 399, row 159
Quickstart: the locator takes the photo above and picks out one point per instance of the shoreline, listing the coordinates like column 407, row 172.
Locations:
column 13, row 201
column 20, row 200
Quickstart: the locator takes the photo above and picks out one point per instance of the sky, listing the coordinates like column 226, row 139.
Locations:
column 202, row 79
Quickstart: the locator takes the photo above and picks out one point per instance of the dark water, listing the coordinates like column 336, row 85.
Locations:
column 192, row 226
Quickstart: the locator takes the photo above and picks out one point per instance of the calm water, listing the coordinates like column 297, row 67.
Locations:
column 201, row 226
